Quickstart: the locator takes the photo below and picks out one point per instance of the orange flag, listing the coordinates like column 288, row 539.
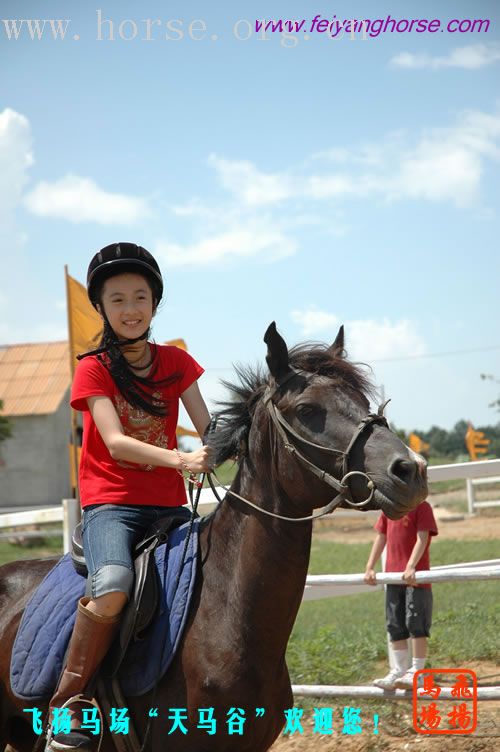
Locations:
column 84, row 323
column 417, row 444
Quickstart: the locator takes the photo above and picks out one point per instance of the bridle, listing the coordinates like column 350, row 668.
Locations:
column 289, row 436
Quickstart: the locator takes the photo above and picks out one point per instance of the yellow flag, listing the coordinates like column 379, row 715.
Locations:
column 84, row 323
column 476, row 443
column 180, row 430
column 417, row 444
column 177, row 343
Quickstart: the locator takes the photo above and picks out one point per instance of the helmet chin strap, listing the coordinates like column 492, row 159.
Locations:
column 114, row 343
column 122, row 342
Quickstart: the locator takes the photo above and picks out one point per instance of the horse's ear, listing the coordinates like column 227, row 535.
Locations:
column 277, row 353
column 337, row 349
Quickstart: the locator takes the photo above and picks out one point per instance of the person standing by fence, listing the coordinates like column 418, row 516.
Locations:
column 408, row 607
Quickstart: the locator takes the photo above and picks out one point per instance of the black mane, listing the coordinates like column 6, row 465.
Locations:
column 234, row 417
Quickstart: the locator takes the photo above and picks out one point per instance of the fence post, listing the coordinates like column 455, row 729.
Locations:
column 471, row 496
column 70, row 520
column 390, row 652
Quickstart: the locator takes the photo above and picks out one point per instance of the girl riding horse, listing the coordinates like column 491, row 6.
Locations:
column 131, row 472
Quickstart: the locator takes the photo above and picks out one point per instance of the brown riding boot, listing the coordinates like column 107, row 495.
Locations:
column 91, row 639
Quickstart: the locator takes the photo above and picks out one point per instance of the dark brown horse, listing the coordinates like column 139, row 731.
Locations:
column 253, row 566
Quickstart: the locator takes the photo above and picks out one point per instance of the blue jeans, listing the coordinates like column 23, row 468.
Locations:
column 109, row 534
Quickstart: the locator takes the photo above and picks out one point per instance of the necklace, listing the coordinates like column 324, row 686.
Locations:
column 134, row 367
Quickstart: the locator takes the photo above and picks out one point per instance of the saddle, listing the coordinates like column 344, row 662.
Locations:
column 140, row 610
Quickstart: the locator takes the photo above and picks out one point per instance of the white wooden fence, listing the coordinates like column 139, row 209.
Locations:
column 475, row 474
column 325, row 690
column 329, row 585
column 325, row 586
column 67, row 513
column 472, row 483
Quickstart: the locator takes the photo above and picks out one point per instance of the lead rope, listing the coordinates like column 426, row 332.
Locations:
column 341, row 486
column 325, row 510
column 194, row 505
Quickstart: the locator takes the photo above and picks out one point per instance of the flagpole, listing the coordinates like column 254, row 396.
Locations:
column 73, row 456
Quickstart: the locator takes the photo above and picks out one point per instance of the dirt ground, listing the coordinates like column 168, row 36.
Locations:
column 396, row 734
column 358, row 528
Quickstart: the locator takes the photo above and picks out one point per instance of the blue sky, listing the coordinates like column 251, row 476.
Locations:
column 311, row 181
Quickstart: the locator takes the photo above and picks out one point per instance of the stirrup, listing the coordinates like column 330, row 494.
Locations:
column 75, row 698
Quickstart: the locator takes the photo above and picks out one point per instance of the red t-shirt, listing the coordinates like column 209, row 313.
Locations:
column 102, row 479
column 402, row 536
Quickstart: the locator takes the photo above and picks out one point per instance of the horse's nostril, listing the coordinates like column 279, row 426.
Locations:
column 404, row 469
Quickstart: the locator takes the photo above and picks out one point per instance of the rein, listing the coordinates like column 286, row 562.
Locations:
column 288, row 434
column 194, row 513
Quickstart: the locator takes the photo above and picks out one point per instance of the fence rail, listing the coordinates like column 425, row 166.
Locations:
column 323, row 586
column 325, row 690
column 67, row 513
column 472, row 503
column 320, row 586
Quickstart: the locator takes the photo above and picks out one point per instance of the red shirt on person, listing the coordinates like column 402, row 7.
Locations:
column 402, row 536
column 104, row 480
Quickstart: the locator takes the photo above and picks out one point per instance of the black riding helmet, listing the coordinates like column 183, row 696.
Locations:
column 119, row 258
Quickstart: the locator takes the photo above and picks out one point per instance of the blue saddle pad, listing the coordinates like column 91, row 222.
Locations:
column 49, row 617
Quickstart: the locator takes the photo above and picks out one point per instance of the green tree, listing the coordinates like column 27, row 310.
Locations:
column 489, row 377
column 5, row 427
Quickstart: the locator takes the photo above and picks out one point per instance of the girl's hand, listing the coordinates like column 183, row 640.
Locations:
column 409, row 575
column 198, row 461
column 370, row 577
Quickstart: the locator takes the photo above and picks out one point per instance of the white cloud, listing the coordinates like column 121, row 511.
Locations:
column 330, row 186
column 439, row 170
column 448, row 163
column 79, row 199
column 366, row 339
column 247, row 241
column 380, row 340
column 444, row 164
column 471, row 57
column 366, row 154
column 15, row 159
column 193, row 208
column 313, row 322
column 249, row 185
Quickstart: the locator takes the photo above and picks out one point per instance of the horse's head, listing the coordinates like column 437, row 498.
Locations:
column 308, row 429
column 318, row 403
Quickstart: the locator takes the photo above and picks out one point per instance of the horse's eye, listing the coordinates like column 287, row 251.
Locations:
column 305, row 411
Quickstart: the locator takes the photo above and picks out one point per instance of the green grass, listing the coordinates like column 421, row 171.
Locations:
column 50, row 547
column 340, row 640
column 226, row 472
column 443, row 486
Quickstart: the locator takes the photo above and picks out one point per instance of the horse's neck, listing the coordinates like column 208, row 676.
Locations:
column 263, row 562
